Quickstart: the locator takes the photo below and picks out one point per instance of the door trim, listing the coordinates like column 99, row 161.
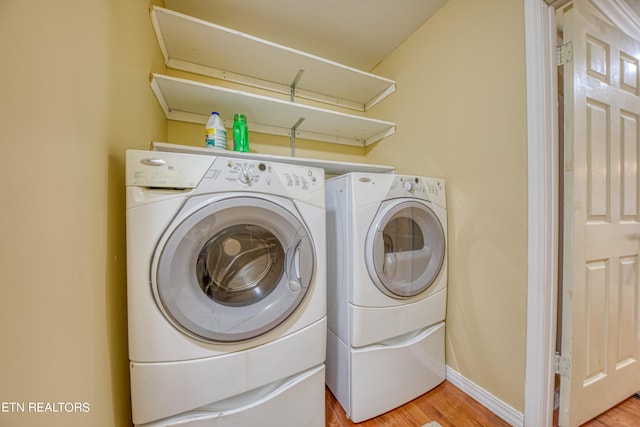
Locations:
column 542, row 246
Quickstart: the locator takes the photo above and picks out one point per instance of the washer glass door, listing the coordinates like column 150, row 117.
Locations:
column 233, row 269
column 405, row 248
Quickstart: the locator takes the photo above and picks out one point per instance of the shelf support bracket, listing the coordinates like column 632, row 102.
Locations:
column 292, row 138
column 294, row 84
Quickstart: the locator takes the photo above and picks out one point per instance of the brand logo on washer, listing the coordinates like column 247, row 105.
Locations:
column 365, row 179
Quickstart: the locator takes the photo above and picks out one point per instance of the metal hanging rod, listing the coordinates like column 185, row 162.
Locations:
column 294, row 84
column 292, row 138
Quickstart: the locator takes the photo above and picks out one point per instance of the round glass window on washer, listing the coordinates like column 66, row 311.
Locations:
column 405, row 249
column 233, row 269
column 240, row 265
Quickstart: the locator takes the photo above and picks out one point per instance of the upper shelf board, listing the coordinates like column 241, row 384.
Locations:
column 190, row 101
column 191, row 44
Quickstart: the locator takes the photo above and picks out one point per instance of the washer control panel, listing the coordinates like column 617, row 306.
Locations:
column 227, row 174
column 200, row 174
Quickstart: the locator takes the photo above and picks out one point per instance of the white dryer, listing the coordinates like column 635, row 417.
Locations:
column 226, row 290
column 387, row 289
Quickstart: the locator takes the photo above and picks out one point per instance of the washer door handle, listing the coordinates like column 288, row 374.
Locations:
column 294, row 268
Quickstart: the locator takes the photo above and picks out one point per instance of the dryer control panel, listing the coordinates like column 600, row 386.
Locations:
column 416, row 185
column 420, row 187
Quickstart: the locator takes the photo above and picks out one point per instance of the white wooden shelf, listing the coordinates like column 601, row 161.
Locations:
column 190, row 101
column 191, row 44
column 330, row 167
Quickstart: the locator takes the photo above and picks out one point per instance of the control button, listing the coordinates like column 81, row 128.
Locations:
column 407, row 185
column 262, row 167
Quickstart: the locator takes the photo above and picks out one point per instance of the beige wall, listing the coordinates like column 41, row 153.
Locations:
column 74, row 94
column 460, row 114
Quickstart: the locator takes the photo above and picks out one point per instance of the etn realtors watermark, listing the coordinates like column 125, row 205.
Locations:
column 45, row 407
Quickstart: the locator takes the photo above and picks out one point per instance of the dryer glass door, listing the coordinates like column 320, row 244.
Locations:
column 405, row 248
column 233, row 269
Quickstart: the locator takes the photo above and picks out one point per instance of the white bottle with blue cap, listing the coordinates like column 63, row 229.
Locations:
column 215, row 133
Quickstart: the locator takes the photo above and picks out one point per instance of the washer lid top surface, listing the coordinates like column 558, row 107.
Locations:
column 233, row 269
column 405, row 248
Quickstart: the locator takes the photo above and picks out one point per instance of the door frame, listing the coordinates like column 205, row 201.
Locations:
column 542, row 190
column 543, row 215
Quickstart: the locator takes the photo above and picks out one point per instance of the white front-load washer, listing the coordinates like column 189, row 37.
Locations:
column 386, row 289
column 226, row 290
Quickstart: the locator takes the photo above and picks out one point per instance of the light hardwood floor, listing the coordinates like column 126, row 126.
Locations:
column 626, row 414
column 450, row 407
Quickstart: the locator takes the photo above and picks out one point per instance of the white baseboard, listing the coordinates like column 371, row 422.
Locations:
column 486, row 399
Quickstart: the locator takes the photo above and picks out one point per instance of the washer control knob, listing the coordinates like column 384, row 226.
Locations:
column 407, row 185
column 246, row 175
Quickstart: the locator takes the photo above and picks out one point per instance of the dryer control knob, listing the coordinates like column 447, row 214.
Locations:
column 407, row 185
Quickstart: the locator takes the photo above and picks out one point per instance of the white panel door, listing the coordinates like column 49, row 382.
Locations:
column 600, row 335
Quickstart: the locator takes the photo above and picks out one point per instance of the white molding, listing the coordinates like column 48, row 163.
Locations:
column 542, row 251
column 486, row 399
